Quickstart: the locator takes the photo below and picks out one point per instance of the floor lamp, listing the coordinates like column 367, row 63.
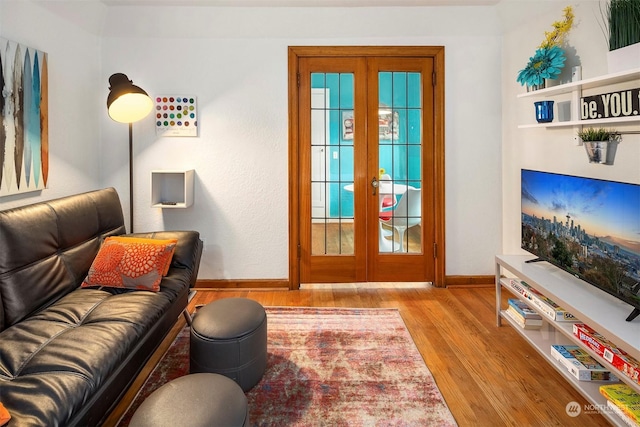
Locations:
column 127, row 103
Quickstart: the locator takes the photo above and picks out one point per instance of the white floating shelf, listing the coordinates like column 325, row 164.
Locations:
column 609, row 121
column 172, row 189
column 608, row 79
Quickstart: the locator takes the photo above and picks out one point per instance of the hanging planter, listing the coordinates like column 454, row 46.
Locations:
column 600, row 144
column 597, row 151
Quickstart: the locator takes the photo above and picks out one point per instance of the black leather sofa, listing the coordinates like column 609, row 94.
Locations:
column 68, row 354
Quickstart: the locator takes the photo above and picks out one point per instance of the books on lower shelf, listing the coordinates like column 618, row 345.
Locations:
column 523, row 323
column 580, row 364
column 616, row 410
column 524, row 315
column 546, row 306
column 624, row 363
column 624, row 398
column 523, row 309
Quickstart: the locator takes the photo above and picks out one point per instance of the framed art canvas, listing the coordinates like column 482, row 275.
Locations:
column 24, row 134
column 176, row 115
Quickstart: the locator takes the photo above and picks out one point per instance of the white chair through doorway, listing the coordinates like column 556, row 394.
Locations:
column 407, row 214
column 388, row 200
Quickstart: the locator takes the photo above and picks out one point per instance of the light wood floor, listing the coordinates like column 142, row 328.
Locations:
column 488, row 375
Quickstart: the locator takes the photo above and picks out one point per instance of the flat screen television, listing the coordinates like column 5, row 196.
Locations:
column 588, row 227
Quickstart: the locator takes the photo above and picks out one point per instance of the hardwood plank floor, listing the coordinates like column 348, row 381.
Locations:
column 488, row 375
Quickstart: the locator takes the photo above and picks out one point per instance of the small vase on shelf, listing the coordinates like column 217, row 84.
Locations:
column 531, row 88
column 544, row 111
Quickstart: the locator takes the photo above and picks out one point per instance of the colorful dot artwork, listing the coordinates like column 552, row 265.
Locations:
column 176, row 115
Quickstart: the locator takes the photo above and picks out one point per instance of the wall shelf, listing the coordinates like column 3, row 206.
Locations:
column 607, row 79
column 575, row 90
column 570, row 123
column 172, row 189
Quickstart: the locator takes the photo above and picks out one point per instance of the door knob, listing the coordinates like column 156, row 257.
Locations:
column 374, row 185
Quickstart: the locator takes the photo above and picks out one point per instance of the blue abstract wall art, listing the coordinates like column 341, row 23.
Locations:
column 24, row 134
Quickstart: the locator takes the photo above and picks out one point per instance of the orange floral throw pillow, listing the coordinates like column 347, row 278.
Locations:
column 4, row 415
column 131, row 263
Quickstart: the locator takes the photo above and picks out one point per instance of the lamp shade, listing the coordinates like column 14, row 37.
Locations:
column 127, row 103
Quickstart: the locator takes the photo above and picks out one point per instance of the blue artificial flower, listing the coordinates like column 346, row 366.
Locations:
column 547, row 63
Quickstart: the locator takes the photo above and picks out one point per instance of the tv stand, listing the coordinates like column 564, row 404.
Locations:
column 603, row 312
column 635, row 313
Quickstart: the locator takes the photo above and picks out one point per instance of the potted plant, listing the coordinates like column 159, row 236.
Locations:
column 622, row 18
column 597, row 143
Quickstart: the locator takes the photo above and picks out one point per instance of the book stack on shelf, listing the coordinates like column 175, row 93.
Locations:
column 624, row 363
column 523, row 315
column 546, row 306
column 623, row 401
column 580, row 364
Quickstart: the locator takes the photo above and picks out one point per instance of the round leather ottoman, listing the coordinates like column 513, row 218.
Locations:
column 194, row 400
column 229, row 337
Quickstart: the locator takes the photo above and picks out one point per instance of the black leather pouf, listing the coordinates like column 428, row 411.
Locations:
column 229, row 337
column 199, row 400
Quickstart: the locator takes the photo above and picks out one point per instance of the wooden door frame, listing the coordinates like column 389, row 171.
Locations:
column 297, row 52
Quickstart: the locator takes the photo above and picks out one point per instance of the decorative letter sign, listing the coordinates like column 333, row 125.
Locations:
column 624, row 103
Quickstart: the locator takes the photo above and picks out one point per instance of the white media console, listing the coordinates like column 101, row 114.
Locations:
column 601, row 311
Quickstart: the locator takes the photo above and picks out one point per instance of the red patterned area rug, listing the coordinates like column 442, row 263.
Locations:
column 330, row 367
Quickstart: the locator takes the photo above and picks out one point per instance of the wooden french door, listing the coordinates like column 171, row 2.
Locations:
column 366, row 165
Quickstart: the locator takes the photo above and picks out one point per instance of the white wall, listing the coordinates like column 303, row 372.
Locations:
column 552, row 150
column 75, row 101
column 235, row 61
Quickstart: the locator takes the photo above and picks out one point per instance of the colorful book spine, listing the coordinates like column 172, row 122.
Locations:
column 523, row 320
column 546, row 306
column 625, row 398
column 624, row 417
column 513, row 315
column 580, row 364
column 523, row 309
column 624, row 363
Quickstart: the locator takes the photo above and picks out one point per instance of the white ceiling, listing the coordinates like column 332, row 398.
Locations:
column 301, row 3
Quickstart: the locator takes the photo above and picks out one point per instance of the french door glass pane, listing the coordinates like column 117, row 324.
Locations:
column 400, row 154
column 332, row 166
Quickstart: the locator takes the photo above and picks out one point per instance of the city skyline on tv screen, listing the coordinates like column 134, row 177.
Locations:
column 604, row 209
column 589, row 227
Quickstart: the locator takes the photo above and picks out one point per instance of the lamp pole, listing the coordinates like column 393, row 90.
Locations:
column 127, row 103
column 131, row 176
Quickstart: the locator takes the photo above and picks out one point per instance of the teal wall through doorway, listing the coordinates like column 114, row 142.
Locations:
column 400, row 92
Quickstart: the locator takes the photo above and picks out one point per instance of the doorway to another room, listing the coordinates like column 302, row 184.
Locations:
column 366, row 164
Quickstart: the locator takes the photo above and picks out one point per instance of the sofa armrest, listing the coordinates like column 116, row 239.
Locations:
column 188, row 250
